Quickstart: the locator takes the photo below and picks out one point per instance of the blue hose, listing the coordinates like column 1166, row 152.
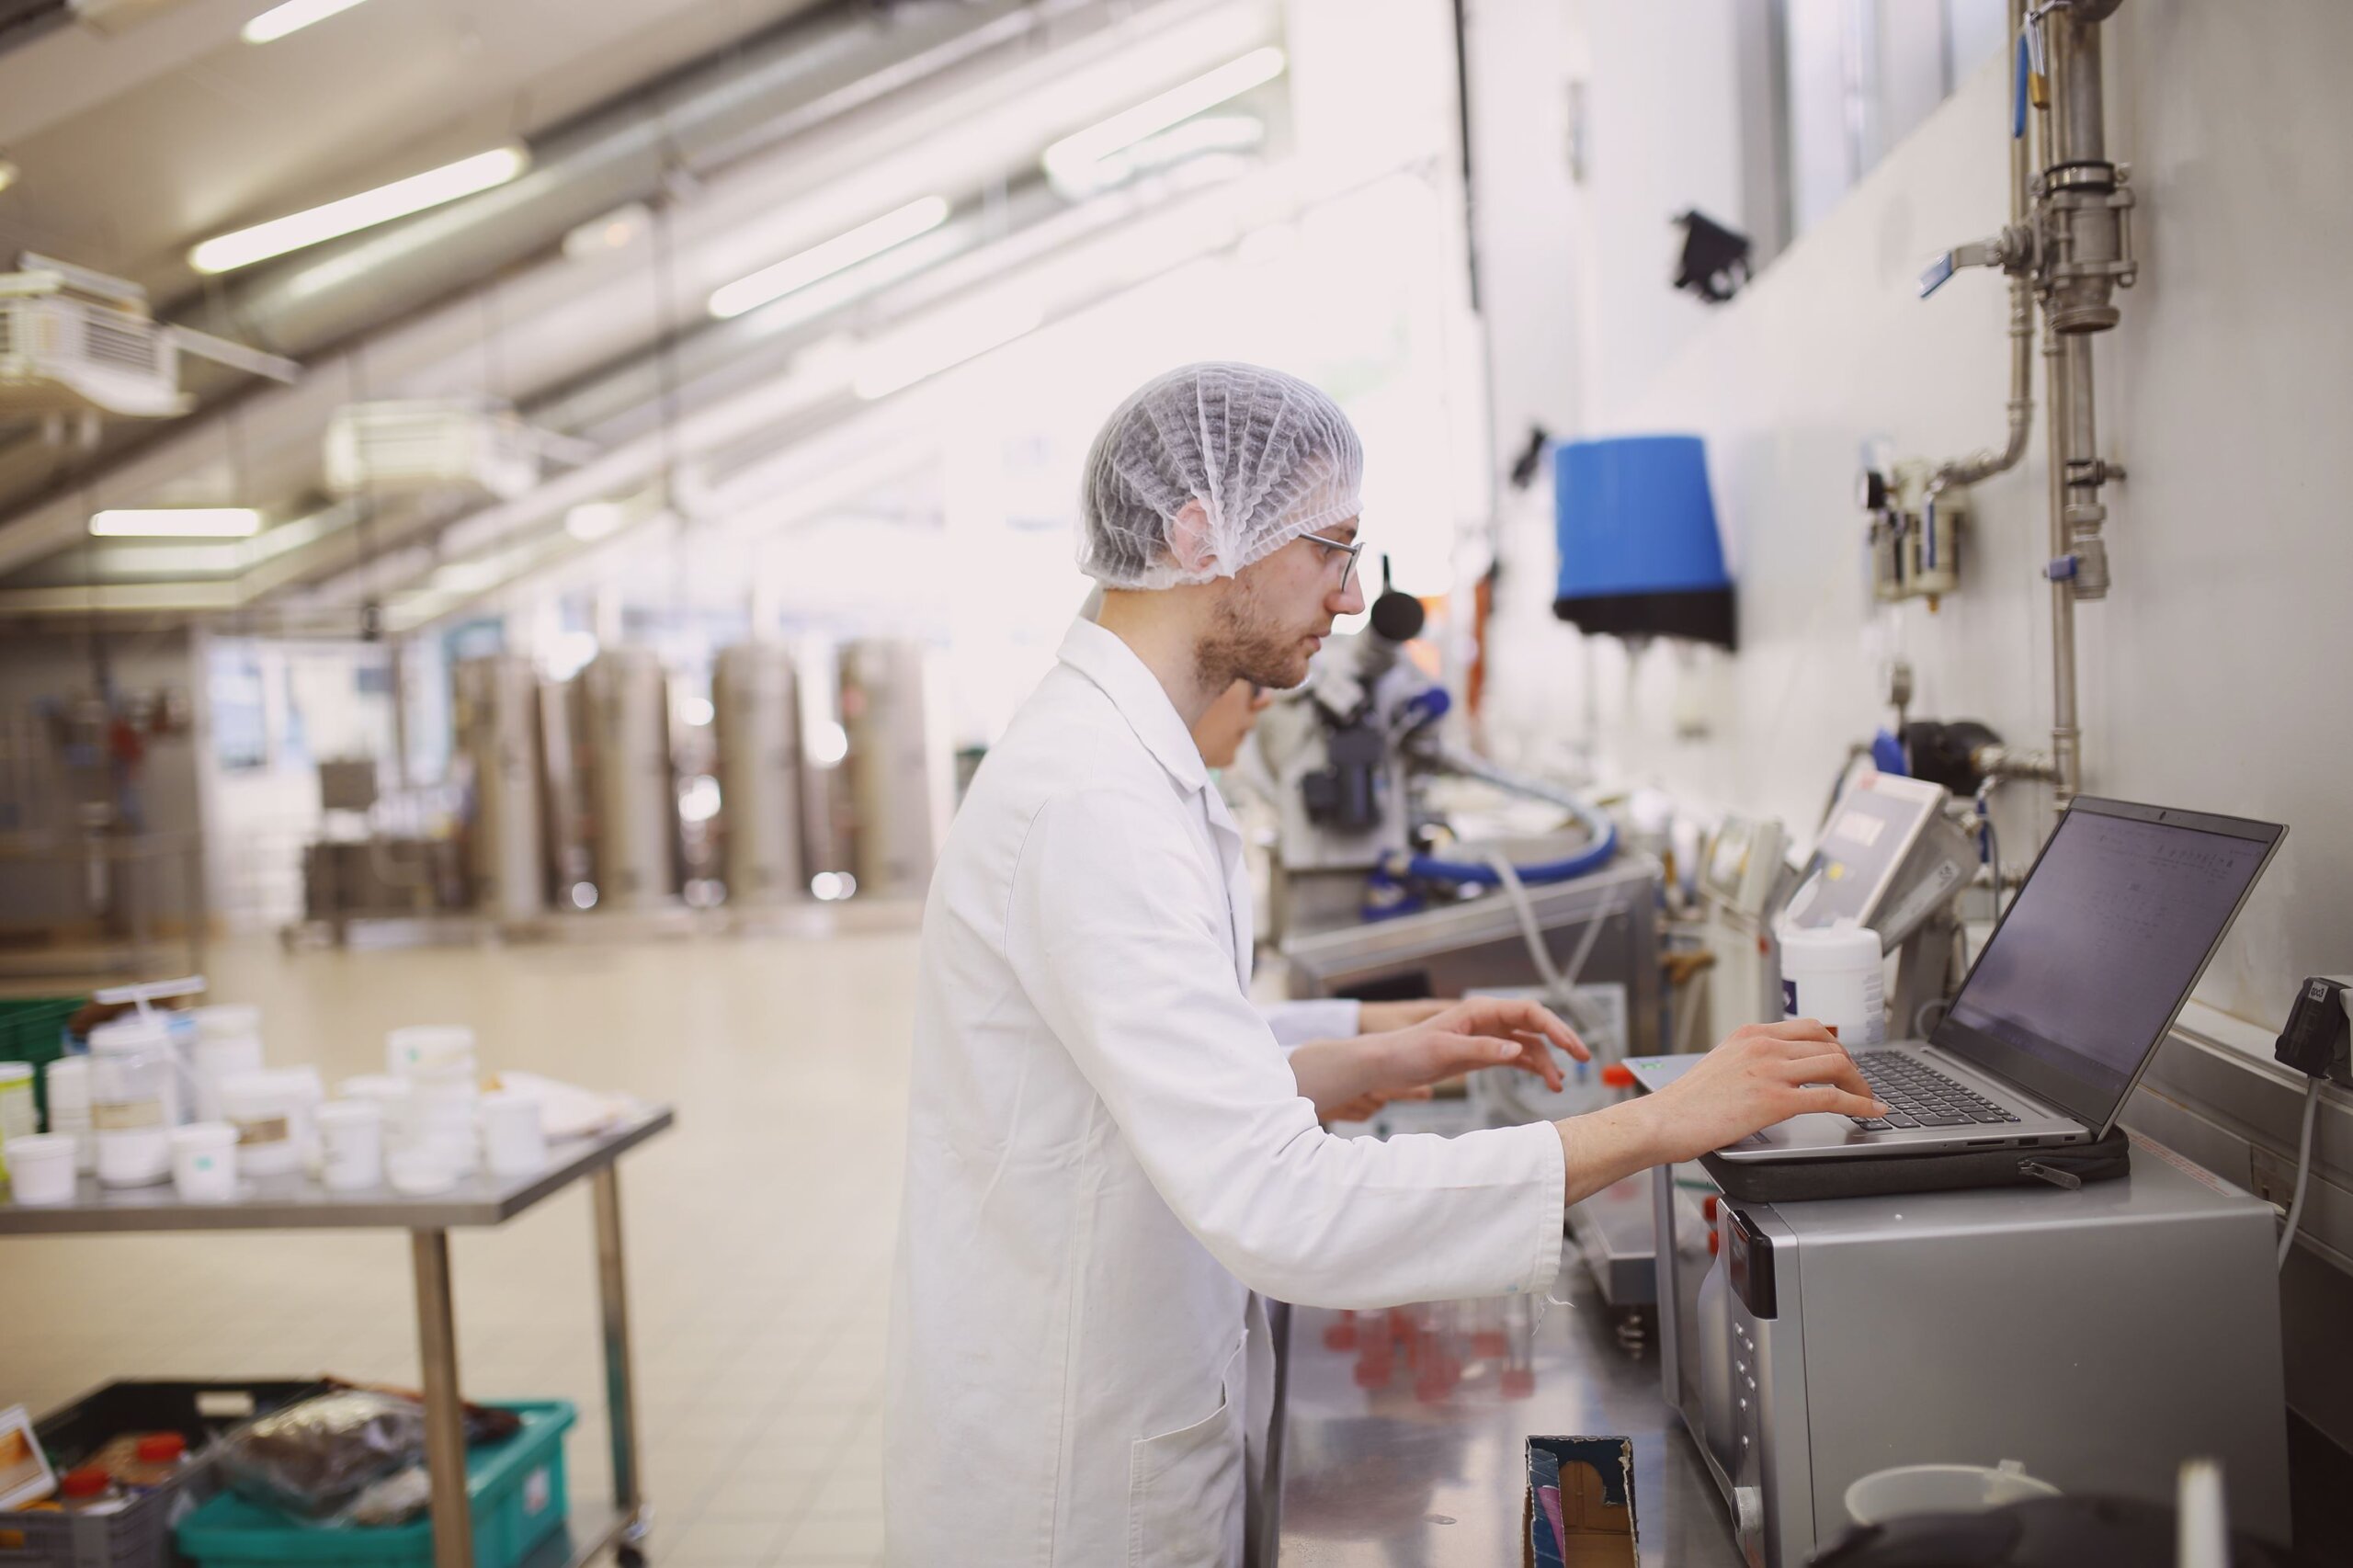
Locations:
column 1478, row 875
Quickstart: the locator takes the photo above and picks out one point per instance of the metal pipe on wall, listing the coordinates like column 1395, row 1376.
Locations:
column 2021, row 408
column 2083, row 253
column 2067, row 754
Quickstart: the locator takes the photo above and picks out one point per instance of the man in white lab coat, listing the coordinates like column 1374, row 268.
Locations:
column 1109, row 1152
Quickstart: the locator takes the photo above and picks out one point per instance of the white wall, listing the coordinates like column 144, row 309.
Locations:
column 1662, row 110
column 2216, row 674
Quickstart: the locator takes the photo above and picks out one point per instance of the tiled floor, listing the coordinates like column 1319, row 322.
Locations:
column 759, row 1232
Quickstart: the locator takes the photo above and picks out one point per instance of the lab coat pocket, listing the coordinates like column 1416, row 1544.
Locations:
column 1185, row 1489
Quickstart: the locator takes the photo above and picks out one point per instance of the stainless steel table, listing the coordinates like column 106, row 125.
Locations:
column 1398, row 1477
column 297, row 1203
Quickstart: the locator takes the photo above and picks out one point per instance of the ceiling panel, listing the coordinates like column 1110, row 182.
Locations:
column 181, row 130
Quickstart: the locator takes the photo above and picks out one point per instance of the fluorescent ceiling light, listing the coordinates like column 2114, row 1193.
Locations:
column 924, row 351
column 624, row 225
column 366, row 210
column 291, row 17
column 1067, row 160
column 469, row 577
column 176, row 522
column 869, row 239
column 592, row 520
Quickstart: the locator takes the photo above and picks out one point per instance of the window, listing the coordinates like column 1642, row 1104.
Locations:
column 1836, row 83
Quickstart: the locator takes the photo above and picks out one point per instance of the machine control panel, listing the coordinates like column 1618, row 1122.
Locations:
column 1748, row 1262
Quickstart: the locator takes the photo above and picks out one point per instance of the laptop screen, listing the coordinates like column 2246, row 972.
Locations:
column 2095, row 956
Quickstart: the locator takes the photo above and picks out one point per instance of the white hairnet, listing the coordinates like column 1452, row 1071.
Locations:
column 1269, row 456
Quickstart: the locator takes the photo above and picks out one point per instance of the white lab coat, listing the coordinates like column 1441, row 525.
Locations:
column 1106, row 1154
column 1296, row 1023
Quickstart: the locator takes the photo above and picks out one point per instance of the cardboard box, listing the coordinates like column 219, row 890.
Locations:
column 1579, row 1507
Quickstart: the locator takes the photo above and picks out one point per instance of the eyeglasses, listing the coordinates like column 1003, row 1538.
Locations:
column 1349, row 548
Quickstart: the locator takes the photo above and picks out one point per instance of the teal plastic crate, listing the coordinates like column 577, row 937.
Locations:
column 33, row 1029
column 519, row 1500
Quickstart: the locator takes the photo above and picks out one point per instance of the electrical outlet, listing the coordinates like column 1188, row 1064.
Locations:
column 2319, row 1036
column 2270, row 1177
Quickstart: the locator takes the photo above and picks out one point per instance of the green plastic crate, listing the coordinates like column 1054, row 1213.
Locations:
column 33, row 1029
column 519, row 1501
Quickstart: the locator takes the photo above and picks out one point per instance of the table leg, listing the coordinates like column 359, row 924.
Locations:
column 445, row 1416
column 621, row 1387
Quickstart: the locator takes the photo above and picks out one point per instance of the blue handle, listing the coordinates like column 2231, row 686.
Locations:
column 2018, row 90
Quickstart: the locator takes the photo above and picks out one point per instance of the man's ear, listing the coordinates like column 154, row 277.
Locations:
column 1190, row 541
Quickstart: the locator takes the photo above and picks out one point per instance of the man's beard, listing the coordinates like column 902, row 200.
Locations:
column 1246, row 642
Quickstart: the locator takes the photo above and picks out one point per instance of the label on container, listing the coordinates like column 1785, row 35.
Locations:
column 538, row 1491
column 17, row 1117
column 262, row 1129
column 126, row 1115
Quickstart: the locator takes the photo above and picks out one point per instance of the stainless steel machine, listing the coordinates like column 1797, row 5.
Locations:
column 757, row 715
column 1480, row 945
column 2101, row 1336
column 1353, row 755
column 1890, row 857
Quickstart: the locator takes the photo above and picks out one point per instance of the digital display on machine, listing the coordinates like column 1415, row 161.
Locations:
column 2090, row 965
column 1871, row 831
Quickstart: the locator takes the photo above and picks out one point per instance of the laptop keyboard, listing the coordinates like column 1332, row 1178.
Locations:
column 1918, row 1095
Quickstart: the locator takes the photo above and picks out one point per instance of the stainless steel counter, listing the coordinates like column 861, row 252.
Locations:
column 1418, row 1475
column 296, row 1203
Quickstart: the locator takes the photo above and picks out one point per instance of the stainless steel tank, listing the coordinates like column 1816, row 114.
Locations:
column 899, row 771
column 757, row 711
column 563, row 796
column 497, row 704
column 624, row 714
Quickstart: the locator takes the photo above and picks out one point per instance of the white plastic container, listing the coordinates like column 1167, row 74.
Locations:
column 312, row 1090
column 442, row 1112
column 419, row 1172
column 19, row 1117
column 430, row 1046
column 41, row 1167
column 457, row 1144
column 351, row 1143
column 134, row 1100
column 1836, row 974
column 205, row 1157
column 270, row 1110
column 68, row 1082
column 378, row 1088
column 135, row 1036
column 228, row 1041
column 1941, row 1489
column 514, row 1134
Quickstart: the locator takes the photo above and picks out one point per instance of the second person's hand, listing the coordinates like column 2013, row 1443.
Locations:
column 1479, row 1031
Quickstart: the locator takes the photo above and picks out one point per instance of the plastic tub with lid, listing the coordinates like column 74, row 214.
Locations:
column 134, row 1100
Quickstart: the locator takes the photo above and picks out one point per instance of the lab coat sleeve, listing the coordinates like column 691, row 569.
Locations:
column 1296, row 1023
column 1118, row 935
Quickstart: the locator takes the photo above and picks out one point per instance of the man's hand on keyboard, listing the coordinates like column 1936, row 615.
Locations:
column 1761, row 1074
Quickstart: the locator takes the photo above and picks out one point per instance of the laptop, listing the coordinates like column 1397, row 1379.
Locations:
column 2066, row 1006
